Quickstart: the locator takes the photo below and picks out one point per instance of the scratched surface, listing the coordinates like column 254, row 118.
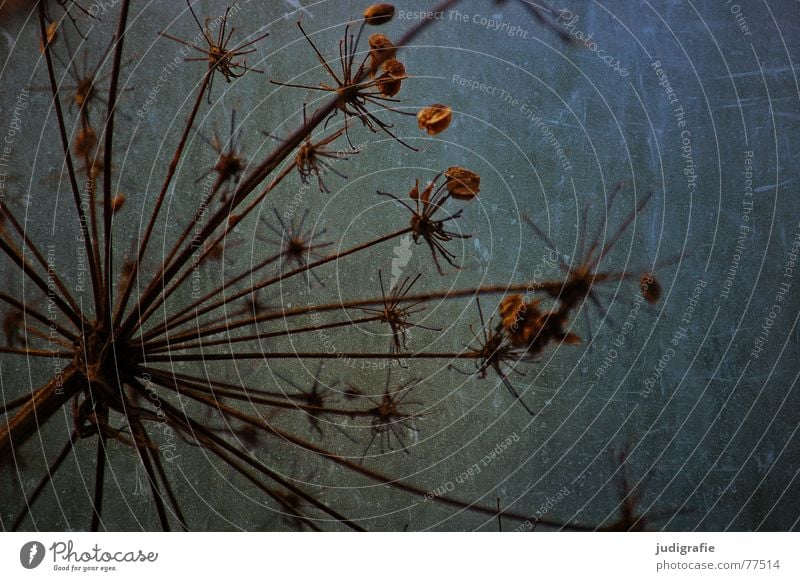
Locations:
column 696, row 103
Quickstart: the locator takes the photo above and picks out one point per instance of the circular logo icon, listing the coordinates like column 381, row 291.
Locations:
column 31, row 554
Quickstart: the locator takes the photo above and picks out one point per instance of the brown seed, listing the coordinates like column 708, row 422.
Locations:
column 650, row 287
column 378, row 14
column 414, row 193
column 390, row 81
column 381, row 50
column 435, row 119
column 52, row 30
column 462, row 184
column 117, row 202
column 425, row 196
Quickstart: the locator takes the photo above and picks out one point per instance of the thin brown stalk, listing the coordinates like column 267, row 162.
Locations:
column 210, row 248
column 356, row 304
column 27, row 310
column 16, row 255
column 203, row 434
column 249, row 396
column 376, row 476
column 119, row 39
column 94, row 267
column 260, row 336
column 169, row 324
column 51, row 272
column 99, row 486
column 45, row 402
column 243, row 356
column 171, row 169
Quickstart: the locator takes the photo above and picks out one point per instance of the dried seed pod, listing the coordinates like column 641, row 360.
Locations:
column 650, row 288
column 435, row 118
column 378, row 14
column 381, row 50
column 391, row 80
column 462, row 184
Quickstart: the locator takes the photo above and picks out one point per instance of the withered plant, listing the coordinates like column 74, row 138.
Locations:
column 145, row 359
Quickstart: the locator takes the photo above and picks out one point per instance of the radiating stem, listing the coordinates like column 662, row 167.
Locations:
column 210, row 248
column 243, row 356
column 141, row 442
column 373, row 475
column 170, row 324
column 94, row 268
column 173, row 166
column 16, row 255
column 250, row 396
column 46, row 401
column 262, row 336
column 201, row 433
column 99, row 481
column 37, row 353
column 356, row 304
column 119, row 39
column 27, row 310
column 51, row 272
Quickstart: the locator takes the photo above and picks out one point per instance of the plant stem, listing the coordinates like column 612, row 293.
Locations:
column 119, row 38
column 356, row 304
column 94, row 268
column 260, row 336
column 169, row 324
column 173, row 166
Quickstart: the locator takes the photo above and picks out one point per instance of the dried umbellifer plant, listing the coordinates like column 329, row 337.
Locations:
column 141, row 359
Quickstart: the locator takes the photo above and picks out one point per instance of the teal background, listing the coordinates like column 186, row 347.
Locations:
column 711, row 443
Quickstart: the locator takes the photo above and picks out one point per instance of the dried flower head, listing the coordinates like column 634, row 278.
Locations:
column 354, row 88
column 231, row 63
column 378, row 14
column 390, row 81
column 462, row 184
column 425, row 225
column 435, row 118
column 381, row 50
